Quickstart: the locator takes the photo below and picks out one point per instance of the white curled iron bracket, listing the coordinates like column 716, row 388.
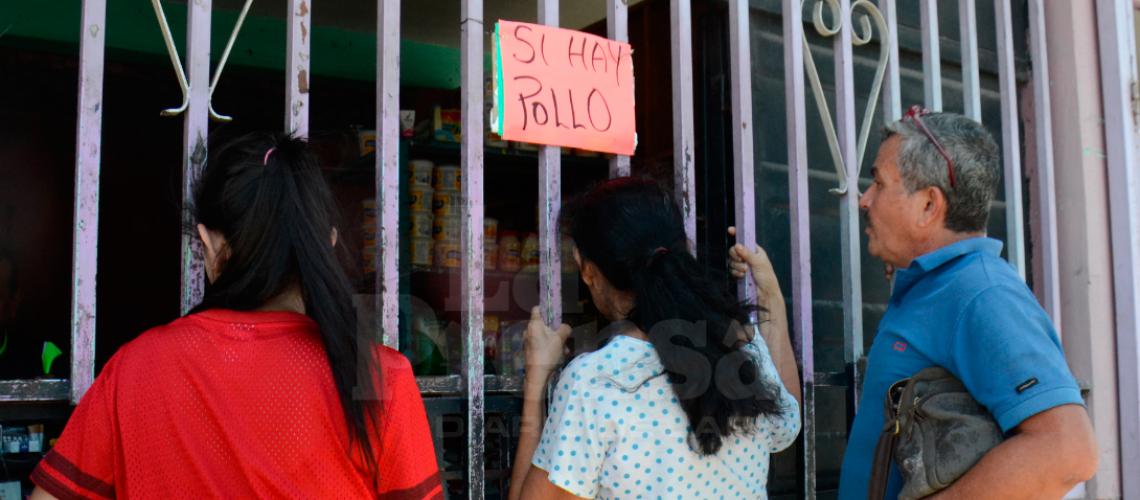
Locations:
column 176, row 60
column 859, row 38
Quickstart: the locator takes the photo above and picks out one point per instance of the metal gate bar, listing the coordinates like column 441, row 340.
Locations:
column 85, row 232
column 684, row 180
column 796, row 115
column 471, row 280
column 1119, row 80
column 386, row 301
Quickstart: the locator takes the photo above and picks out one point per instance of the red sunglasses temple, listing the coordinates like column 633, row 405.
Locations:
column 915, row 114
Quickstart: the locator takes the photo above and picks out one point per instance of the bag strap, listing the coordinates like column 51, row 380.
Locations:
column 881, row 464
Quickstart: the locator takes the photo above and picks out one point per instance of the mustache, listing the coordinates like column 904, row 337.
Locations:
column 866, row 216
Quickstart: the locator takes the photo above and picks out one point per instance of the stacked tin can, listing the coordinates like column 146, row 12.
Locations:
column 420, row 195
column 446, row 205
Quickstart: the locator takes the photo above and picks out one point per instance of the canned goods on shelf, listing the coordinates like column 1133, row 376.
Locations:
column 447, row 177
column 368, row 255
column 421, row 251
column 368, row 234
column 445, row 229
column 446, row 203
column 531, row 253
column 420, row 198
column 490, row 256
column 421, row 172
column 447, row 254
column 490, row 229
column 510, row 252
column 421, row 224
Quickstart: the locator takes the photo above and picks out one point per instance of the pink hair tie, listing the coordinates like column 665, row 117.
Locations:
column 265, row 160
column 655, row 256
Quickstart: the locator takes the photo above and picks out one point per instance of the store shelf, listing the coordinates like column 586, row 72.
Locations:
column 34, row 390
column 447, row 385
column 498, row 153
column 27, row 457
column 493, row 159
column 507, row 295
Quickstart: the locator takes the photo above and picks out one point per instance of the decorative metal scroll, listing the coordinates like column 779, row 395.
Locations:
column 860, row 37
column 176, row 60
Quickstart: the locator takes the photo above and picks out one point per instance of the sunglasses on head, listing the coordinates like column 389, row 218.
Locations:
column 914, row 115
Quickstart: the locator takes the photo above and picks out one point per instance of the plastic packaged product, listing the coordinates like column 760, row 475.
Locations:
column 447, row 125
column 445, row 229
column 447, row 177
column 367, row 141
column 407, row 122
column 35, row 438
column 429, row 347
column 510, row 252
column 531, row 253
column 446, row 203
column 422, row 224
column 421, row 251
column 491, row 337
column 491, row 139
column 420, row 198
column 512, row 355
column 421, row 172
column 447, row 255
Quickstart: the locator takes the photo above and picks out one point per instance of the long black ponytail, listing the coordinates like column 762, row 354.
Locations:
column 631, row 229
column 265, row 193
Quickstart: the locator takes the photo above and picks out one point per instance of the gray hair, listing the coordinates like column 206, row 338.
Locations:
column 976, row 166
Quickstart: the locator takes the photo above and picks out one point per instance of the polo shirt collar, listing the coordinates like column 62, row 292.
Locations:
column 923, row 265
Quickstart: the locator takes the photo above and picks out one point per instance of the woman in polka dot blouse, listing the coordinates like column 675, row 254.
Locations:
column 683, row 401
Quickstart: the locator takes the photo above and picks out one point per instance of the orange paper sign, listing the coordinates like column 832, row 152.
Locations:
column 563, row 88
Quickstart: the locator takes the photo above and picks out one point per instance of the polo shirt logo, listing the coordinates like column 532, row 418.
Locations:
column 900, row 346
column 1026, row 385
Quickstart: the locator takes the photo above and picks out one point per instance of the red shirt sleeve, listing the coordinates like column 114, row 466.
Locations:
column 83, row 462
column 407, row 461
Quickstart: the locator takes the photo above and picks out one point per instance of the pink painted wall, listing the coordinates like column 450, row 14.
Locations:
column 1083, row 230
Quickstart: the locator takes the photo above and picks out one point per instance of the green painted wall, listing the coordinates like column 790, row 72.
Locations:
column 132, row 26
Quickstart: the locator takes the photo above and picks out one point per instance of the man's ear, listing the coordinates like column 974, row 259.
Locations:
column 934, row 206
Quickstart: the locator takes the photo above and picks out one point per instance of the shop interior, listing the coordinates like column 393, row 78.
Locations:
column 140, row 191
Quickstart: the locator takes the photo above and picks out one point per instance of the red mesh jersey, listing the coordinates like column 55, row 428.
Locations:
column 228, row 404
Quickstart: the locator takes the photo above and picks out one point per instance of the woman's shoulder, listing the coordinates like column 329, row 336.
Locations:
column 159, row 339
column 624, row 364
column 392, row 362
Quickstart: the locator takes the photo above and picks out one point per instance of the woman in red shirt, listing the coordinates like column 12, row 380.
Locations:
column 265, row 389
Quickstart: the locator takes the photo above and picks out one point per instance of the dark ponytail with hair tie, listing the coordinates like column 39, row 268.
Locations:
column 632, row 231
column 265, row 194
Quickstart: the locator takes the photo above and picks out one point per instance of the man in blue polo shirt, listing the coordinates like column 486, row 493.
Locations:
column 958, row 305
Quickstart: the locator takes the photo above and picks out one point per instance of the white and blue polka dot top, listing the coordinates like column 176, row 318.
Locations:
column 616, row 430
